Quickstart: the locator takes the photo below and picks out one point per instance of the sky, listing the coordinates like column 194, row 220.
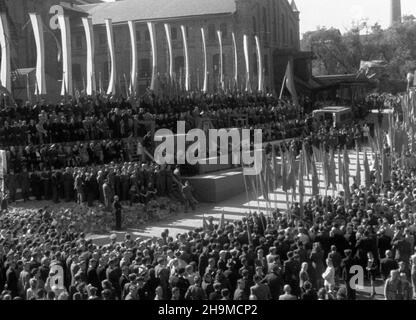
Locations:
column 342, row 13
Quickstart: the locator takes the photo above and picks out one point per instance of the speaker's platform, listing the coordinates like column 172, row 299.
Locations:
column 218, row 186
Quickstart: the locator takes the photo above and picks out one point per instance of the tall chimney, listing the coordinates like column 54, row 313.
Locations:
column 396, row 12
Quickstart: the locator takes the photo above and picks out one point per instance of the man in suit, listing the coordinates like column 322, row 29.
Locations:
column 291, row 269
column 387, row 264
column 25, row 184
column 287, row 294
column 274, row 281
column 108, row 195
column 260, row 290
column 239, row 293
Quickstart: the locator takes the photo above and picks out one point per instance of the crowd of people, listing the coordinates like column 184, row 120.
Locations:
column 284, row 256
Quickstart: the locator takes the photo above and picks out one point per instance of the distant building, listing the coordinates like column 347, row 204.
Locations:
column 275, row 21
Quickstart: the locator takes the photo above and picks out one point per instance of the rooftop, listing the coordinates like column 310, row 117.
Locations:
column 145, row 10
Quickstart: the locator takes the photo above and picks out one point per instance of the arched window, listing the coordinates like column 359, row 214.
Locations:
column 254, row 24
column 211, row 32
column 223, row 29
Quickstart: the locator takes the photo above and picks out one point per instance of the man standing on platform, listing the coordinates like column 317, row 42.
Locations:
column 108, row 194
column 117, row 212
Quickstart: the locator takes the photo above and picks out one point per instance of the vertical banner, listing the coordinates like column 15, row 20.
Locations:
column 235, row 61
column 89, row 36
column 67, row 85
column 259, row 65
column 5, row 72
column 221, row 66
column 110, row 40
column 170, row 52
column 133, row 72
column 185, row 48
column 37, row 27
column 152, row 32
column 204, row 48
column 247, row 59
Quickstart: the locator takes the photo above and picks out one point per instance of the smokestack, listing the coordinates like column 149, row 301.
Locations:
column 396, row 12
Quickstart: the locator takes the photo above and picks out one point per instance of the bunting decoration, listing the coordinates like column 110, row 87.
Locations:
column 259, row 65
column 152, row 33
column 37, row 26
column 110, row 41
column 221, row 66
column 366, row 171
column 89, row 35
column 185, row 48
column 301, row 184
column 315, row 179
column 168, row 33
column 247, row 59
column 133, row 71
column 204, row 49
column 235, row 61
column 67, row 84
column 358, row 172
column 5, row 72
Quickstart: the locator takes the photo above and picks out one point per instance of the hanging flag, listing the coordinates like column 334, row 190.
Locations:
column 340, row 168
column 89, row 35
column 377, row 168
column 250, row 238
column 315, row 179
column 221, row 66
column 133, row 63
column 67, row 83
column 5, row 72
column 317, row 154
column 110, row 41
column 284, row 172
column 307, row 161
column 185, row 48
column 152, row 33
column 292, row 175
column 386, row 168
column 37, row 26
column 358, row 172
column 204, row 49
column 332, row 169
column 168, row 33
column 325, row 169
column 289, row 82
column 276, row 170
column 366, row 171
column 259, row 65
column 235, row 61
column 247, row 59
column 301, row 186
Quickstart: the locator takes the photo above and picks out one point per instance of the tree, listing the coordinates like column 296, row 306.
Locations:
column 342, row 53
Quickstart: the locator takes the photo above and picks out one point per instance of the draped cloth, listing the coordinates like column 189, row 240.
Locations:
column 235, row 60
column 247, row 60
column 221, row 66
column 259, row 65
column 37, row 26
column 89, row 36
column 133, row 72
column 110, row 41
column 170, row 51
column 185, row 48
column 152, row 32
column 204, row 48
column 67, row 85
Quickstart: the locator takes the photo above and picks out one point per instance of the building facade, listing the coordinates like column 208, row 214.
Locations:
column 276, row 22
